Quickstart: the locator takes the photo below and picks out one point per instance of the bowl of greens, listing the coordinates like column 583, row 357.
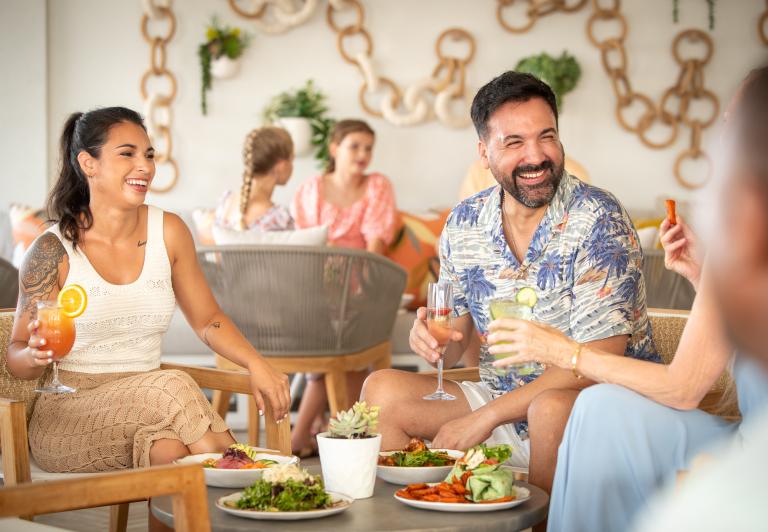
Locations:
column 416, row 463
column 285, row 492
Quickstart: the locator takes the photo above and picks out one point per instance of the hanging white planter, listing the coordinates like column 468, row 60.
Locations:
column 300, row 130
column 224, row 67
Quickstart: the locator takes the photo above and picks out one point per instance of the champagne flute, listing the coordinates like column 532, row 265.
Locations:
column 440, row 326
column 59, row 333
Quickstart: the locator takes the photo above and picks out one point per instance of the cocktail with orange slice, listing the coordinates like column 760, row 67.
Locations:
column 57, row 326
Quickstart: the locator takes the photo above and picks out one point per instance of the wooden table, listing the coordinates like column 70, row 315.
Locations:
column 380, row 512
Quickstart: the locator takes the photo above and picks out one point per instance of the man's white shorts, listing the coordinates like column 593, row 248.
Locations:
column 478, row 395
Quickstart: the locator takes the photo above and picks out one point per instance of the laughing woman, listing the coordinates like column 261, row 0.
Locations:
column 134, row 262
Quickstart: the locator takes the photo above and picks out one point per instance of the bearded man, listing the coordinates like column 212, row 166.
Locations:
column 539, row 228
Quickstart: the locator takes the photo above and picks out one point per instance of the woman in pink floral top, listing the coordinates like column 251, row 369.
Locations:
column 358, row 208
column 359, row 211
column 268, row 160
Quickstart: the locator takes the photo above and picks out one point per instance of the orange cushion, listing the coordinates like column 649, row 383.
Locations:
column 27, row 224
column 414, row 246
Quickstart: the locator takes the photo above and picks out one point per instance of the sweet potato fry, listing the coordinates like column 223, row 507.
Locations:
column 405, row 494
column 419, row 486
column 453, row 499
column 671, row 211
column 459, row 488
column 424, row 492
column 465, row 476
column 500, row 499
column 431, row 498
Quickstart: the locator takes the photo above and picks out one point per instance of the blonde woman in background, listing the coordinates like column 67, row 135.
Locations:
column 268, row 161
column 359, row 210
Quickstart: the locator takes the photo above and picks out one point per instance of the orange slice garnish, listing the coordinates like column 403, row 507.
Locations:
column 72, row 300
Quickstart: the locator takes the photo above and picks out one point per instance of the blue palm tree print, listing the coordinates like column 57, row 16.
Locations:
column 549, row 272
column 466, row 212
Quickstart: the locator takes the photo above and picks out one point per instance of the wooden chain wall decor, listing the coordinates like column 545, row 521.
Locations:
column 673, row 110
column 275, row 16
column 762, row 25
column 446, row 82
column 157, row 104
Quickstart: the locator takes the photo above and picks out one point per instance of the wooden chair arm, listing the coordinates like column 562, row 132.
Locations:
column 185, row 483
column 278, row 434
column 14, row 442
column 459, row 374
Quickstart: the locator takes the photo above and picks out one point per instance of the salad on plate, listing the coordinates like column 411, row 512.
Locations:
column 239, row 456
column 416, row 454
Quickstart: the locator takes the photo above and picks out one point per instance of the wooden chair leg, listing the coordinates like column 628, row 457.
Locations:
column 118, row 517
column 253, row 422
column 336, row 388
column 220, row 402
column 278, row 434
column 384, row 361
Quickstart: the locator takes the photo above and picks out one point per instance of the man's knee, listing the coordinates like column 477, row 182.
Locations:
column 551, row 405
column 378, row 386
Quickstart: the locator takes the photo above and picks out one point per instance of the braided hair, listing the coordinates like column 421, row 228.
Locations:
column 263, row 149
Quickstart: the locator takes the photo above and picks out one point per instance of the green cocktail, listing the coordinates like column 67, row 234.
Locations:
column 519, row 308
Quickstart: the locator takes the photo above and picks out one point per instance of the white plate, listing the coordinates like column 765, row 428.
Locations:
column 523, row 494
column 233, row 478
column 341, row 503
column 415, row 475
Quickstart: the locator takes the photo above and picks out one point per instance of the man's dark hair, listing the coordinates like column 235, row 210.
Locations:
column 511, row 86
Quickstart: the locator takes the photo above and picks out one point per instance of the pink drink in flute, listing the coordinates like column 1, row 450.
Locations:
column 440, row 326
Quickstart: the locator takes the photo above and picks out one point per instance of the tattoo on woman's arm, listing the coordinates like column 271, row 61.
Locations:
column 215, row 325
column 40, row 271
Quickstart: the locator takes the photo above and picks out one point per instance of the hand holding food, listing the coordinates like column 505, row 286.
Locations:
column 682, row 252
column 671, row 211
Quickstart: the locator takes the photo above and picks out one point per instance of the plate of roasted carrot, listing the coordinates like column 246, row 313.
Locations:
column 478, row 482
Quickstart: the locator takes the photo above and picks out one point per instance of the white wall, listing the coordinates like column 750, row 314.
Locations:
column 23, row 106
column 96, row 56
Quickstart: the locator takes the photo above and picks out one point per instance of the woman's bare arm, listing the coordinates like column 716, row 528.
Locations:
column 42, row 273
column 212, row 325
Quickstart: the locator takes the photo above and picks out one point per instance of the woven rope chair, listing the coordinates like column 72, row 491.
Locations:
column 667, row 326
column 308, row 309
column 17, row 399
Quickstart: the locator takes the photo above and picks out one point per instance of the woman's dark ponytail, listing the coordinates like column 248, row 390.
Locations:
column 69, row 200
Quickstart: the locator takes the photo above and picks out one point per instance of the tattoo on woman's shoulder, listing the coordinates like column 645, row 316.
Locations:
column 40, row 270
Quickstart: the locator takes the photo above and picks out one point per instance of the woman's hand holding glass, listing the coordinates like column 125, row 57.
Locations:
column 682, row 251
column 531, row 342
column 38, row 354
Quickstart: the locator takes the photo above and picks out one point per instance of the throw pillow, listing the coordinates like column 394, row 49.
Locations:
column 311, row 236
column 204, row 220
column 27, row 224
column 415, row 248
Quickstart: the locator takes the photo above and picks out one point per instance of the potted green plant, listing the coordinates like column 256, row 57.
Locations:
column 220, row 55
column 349, row 451
column 302, row 112
column 561, row 73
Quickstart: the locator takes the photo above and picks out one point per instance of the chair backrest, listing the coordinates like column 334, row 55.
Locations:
column 185, row 483
column 303, row 301
column 9, row 284
column 12, row 387
column 667, row 326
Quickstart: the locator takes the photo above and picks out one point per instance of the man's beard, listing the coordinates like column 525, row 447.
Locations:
column 533, row 196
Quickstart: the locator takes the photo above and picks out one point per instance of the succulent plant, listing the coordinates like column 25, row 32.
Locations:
column 358, row 422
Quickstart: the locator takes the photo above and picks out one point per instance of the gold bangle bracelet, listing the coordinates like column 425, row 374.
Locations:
column 575, row 361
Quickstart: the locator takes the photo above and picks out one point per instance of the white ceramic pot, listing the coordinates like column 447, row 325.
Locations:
column 224, row 67
column 300, row 130
column 349, row 466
